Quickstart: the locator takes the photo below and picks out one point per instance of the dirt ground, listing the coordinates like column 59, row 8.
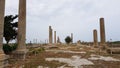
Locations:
column 100, row 59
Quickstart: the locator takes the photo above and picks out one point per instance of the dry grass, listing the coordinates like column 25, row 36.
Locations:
column 33, row 61
column 39, row 60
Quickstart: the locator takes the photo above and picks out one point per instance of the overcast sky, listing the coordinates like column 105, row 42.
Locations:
column 79, row 17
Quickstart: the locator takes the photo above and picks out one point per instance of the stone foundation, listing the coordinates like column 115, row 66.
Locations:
column 19, row 55
column 113, row 48
column 3, row 60
column 103, row 46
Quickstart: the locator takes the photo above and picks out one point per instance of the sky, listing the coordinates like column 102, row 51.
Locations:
column 79, row 17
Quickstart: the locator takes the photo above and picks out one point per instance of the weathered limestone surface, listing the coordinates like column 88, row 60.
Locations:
column 95, row 38
column 3, row 57
column 50, row 35
column 54, row 37
column 2, row 10
column 58, row 40
column 22, row 25
column 72, row 37
column 21, row 50
column 102, row 32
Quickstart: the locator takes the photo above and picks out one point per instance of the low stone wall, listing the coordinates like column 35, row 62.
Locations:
column 113, row 48
column 113, row 45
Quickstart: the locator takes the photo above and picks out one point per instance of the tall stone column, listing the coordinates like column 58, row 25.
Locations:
column 22, row 25
column 102, row 32
column 3, row 57
column 50, row 35
column 21, row 51
column 71, row 37
column 58, row 40
column 2, row 11
column 95, row 38
column 54, row 37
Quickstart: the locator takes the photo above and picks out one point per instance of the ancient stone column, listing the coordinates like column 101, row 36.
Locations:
column 58, row 40
column 50, row 35
column 95, row 38
column 71, row 37
column 22, row 25
column 21, row 51
column 2, row 11
column 54, row 37
column 3, row 57
column 102, row 32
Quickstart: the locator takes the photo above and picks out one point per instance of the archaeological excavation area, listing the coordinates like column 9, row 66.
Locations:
column 56, row 54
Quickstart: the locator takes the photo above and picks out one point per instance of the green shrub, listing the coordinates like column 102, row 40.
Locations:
column 31, row 49
column 35, row 51
column 41, row 49
column 68, row 39
column 9, row 48
column 14, row 47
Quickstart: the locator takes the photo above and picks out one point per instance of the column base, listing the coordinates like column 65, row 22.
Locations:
column 19, row 54
column 50, row 44
column 3, row 60
column 103, row 46
column 95, row 46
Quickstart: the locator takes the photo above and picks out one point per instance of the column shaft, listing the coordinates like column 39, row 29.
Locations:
column 2, row 11
column 55, row 37
column 102, row 31
column 71, row 37
column 50, row 35
column 95, row 37
column 22, row 25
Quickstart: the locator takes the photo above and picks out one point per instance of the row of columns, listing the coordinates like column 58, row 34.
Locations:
column 51, row 36
column 95, row 37
column 58, row 39
column 102, row 34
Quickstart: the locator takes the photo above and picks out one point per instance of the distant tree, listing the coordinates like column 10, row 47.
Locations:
column 10, row 28
column 68, row 39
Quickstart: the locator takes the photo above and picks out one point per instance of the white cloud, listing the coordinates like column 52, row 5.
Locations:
column 79, row 17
